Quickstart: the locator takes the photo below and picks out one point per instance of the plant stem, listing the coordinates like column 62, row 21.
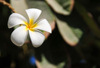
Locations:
column 7, row 4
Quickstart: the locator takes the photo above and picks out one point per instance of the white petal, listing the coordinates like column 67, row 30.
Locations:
column 43, row 25
column 19, row 35
column 37, row 38
column 16, row 19
column 33, row 13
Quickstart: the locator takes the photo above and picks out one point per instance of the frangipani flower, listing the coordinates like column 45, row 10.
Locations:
column 32, row 28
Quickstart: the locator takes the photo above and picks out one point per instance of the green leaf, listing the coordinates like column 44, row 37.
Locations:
column 77, row 32
column 46, row 64
column 20, row 6
column 88, row 19
column 61, row 6
column 71, row 36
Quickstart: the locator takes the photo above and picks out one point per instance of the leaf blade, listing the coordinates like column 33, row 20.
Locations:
column 67, row 33
column 60, row 8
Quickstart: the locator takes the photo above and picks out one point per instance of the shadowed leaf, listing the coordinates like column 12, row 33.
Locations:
column 19, row 6
column 61, row 6
column 46, row 64
column 69, row 35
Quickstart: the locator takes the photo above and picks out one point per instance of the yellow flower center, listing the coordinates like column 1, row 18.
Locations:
column 31, row 25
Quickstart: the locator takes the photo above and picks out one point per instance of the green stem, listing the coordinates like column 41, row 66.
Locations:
column 88, row 19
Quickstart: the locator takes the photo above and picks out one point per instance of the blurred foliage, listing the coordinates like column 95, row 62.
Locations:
column 77, row 24
column 67, row 33
column 65, row 6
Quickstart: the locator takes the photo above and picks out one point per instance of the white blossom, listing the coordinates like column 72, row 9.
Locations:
column 32, row 28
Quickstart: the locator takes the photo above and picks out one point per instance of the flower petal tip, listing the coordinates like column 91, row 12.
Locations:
column 33, row 13
column 19, row 36
column 36, row 46
column 50, row 31
column 15, row 43
column 9, row 26
column 37, row 38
